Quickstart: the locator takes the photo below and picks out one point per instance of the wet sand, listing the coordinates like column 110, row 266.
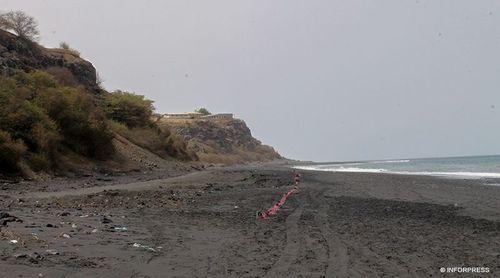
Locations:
column 203, row 225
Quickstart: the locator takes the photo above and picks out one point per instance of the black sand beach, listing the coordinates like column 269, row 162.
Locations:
column 203, row 225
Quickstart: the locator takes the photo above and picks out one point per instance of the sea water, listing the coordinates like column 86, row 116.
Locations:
column 472, row 167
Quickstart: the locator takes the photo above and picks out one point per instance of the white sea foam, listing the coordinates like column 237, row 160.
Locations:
column 394, row 161
column 469, row 175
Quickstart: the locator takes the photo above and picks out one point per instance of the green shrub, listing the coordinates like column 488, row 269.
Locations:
column 82, row 124
column 203, row 111
column 35, row 80
column 30, row 123
column 118, row 127
column 128, row 108
column 39, row 162
column 11, row 152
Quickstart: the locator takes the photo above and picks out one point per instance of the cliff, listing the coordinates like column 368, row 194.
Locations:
column 20, row 54
column 220, row 141
column 55, row 119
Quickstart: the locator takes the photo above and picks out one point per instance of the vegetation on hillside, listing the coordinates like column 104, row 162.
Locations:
column 41, row 120
column 54, row 115
column 130, row 115
column 128, row 108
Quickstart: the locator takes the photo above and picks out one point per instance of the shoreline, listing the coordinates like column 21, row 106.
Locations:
column 339, row 224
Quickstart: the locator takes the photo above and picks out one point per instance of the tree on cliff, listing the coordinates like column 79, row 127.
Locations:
column 22, row 24
column 203, row 111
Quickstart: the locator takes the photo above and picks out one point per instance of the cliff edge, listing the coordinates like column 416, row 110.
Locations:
column 220, row 141
column 66, row 66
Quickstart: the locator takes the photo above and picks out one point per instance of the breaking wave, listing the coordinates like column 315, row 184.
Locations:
column 385, row 171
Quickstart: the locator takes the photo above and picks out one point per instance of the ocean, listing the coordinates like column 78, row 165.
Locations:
column 470, row 167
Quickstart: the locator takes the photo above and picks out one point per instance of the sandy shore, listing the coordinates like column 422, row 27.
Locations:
column 203, row 225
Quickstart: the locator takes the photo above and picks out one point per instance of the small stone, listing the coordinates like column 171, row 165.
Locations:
column 106, row 220
column 52, row 252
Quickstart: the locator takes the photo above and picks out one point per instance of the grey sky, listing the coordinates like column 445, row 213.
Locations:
column 319, row 80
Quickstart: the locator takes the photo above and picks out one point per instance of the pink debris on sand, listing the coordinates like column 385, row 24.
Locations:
column 275, row 208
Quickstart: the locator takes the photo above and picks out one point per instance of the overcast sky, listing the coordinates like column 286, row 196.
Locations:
column 319, row 80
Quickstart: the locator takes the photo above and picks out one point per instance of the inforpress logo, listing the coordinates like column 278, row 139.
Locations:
column 465, row 269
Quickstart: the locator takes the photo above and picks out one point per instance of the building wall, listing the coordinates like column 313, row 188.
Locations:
column 219, row 116
column 183, row 115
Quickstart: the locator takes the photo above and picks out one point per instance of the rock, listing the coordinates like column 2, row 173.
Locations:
column 25, row 55
column 6, row 218
column 21, row 256
column 106, row 220
column 52, row 252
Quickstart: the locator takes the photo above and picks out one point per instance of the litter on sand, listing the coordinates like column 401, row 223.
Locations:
column 121, row 229
column 138, row 245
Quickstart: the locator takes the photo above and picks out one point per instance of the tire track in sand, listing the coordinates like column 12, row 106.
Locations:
column 291, row 250
column 338, row 259
column 337, row 262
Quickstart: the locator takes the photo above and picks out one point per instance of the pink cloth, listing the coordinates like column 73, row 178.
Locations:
column 275, row 208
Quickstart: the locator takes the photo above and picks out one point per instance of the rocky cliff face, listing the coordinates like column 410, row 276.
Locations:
column 221, row 141
column 21, row 54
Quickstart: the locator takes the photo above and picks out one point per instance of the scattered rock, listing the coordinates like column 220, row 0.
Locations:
column 106, row 220
column 6, row 218
column 21, row 256
column 65, row 235
column 52, row 252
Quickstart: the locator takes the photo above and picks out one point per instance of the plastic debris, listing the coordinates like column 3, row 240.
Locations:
column 138, row 245
column 66, row 236
column 74, row 226
column 120, row 229
column 13, row 241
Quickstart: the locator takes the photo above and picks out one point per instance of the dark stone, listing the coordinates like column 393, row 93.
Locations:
column 106, row 220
